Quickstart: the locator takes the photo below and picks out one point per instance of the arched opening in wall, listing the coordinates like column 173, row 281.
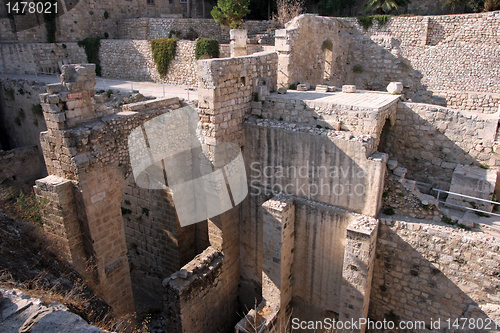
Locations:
column 157, row 245
column 327, row 48
column 384, row 144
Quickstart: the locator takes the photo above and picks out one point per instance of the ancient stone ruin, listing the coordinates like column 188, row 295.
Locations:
column 332, row 225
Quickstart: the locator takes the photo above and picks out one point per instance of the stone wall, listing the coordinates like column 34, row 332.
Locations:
column 430, row 140
column 355, row 119
column 147, row 28
column 21, row 116
column 357, row 271
column 83, row 19
column 20, row 165
column 225, row 92
column 42, row 57
column 426, row 53
column 311, row 49
column 349, row 173
column 427, row 270
column 320, row 233
column 195, row 296
column 133, row 60
column 467, row 101
column 156, row 243
column 89, row 145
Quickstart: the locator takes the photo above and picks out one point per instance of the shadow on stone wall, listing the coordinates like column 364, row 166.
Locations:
column 430, row 141
column 412, row 280
column 376, row 61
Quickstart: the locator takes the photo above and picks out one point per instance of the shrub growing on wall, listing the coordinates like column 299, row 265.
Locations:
column 50, row 26
column 163, row 53
column 91, row 46
column 206, row 48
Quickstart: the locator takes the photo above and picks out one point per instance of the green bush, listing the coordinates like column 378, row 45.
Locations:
column 206, row 47
column 365, row 21
column 163, row 53
column 91, row 46
column 357, row 69
column 50, row 26
column 388, row 211
column 381, row 19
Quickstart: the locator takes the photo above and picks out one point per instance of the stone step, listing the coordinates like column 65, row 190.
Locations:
column 400, row 172
column 410, row 185
column 392, row 164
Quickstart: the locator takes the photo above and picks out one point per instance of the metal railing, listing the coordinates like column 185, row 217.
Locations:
column 465, row 196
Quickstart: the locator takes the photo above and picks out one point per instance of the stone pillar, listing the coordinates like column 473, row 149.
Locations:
column 357, row 271
column 69, row 103
column 238, row 42
column 61, row 220
column 283, row 49
column 278, row 230
column 98, row 187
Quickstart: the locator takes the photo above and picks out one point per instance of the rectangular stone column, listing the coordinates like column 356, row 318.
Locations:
column 283, row 49
column 238, row 44
column 278, row 240
column 61, row 220
column 357, row 271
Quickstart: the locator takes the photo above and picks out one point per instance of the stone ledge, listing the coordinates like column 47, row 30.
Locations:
column 152, row 104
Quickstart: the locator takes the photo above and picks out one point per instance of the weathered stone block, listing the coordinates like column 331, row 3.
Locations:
column 395, row 87
column 348, row 88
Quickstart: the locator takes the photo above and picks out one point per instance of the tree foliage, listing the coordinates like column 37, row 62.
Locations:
column 384, row 6
column 473, row 5
column 331, row 7
column 230, row 13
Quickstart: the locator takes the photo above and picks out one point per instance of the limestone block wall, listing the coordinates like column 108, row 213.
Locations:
column 43, row 57
column 156, row 243
column 21, row 116
column 194, row 296
column 320, row 234
column 452, row 52
column 338, row 168
column 91, row 147
column 147, row 28
column 357, row 273
column 278, row 259
column 20, row 165
column 429, row 270
column 311, row 49
column 431, row 140
column 357, row 120
column 469, row 102
column 82, row 19
column 426, row 53
column 225, row 93
column 61, row 222
column 133, row 60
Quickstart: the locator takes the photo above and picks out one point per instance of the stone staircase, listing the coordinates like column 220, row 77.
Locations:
column 398, row 173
